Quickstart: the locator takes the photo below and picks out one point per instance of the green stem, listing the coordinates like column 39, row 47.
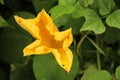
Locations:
column 98, row 54
column 99, row 51
column 79, row 44
column 98, row 61
column 96, row 46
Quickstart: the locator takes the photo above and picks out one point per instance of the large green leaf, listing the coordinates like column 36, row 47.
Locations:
column 63, row 7
column 78, row 11
column 75, row 24
column 61, row 21
column 12, row 43
column 117, row 73
column 93, row 22
column 66, row 2
column 86, row 3
column 89, row 72
column 24, row 14
column 3, row 23
column 46, row 68
column 67, row 21
column 105, row 6
column 14, row 39
column 59, row 11
column 113, row 20
column 101, row 75
column 22, row 72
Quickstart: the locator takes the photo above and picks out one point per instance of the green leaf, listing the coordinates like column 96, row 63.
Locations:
column 66, row 2
column 63, row 7
column 75, row 24
column 2, row 1
column 3, row 23
column 113, row 20
column 90, row 1
column 118, row 52
column 46, row 68
column 93, row 22
column 105, row 6
column 117, row 73
column 24, row 14
column 61, row 21
column 22, row 72
column 59, row 11
column 86, row 3
column 89, row 72
column 78, row 11
column 43, row 4
column 101, row 75
column 12, row 43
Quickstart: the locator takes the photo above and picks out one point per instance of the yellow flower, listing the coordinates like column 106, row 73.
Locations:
column 48, row 39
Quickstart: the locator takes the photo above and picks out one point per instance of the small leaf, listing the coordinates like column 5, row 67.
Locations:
column 93, row 22
column 59, row 11
column 2, row 1
column 118, row 52
column 3, row 23
column 117, row 73
column 105, row 6
column 101, row 75
column 113, row 20
column 89, row 72
column 46, row 68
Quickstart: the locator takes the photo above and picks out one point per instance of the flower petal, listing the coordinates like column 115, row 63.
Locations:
column 35, row 48
column 65, row 36
column 44, row 20
column 64, row 58
column 29, row 25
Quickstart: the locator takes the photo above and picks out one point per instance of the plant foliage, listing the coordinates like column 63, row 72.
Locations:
column 96, row 47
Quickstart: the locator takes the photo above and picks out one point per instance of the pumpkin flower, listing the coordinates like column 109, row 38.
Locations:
column 48, row 39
